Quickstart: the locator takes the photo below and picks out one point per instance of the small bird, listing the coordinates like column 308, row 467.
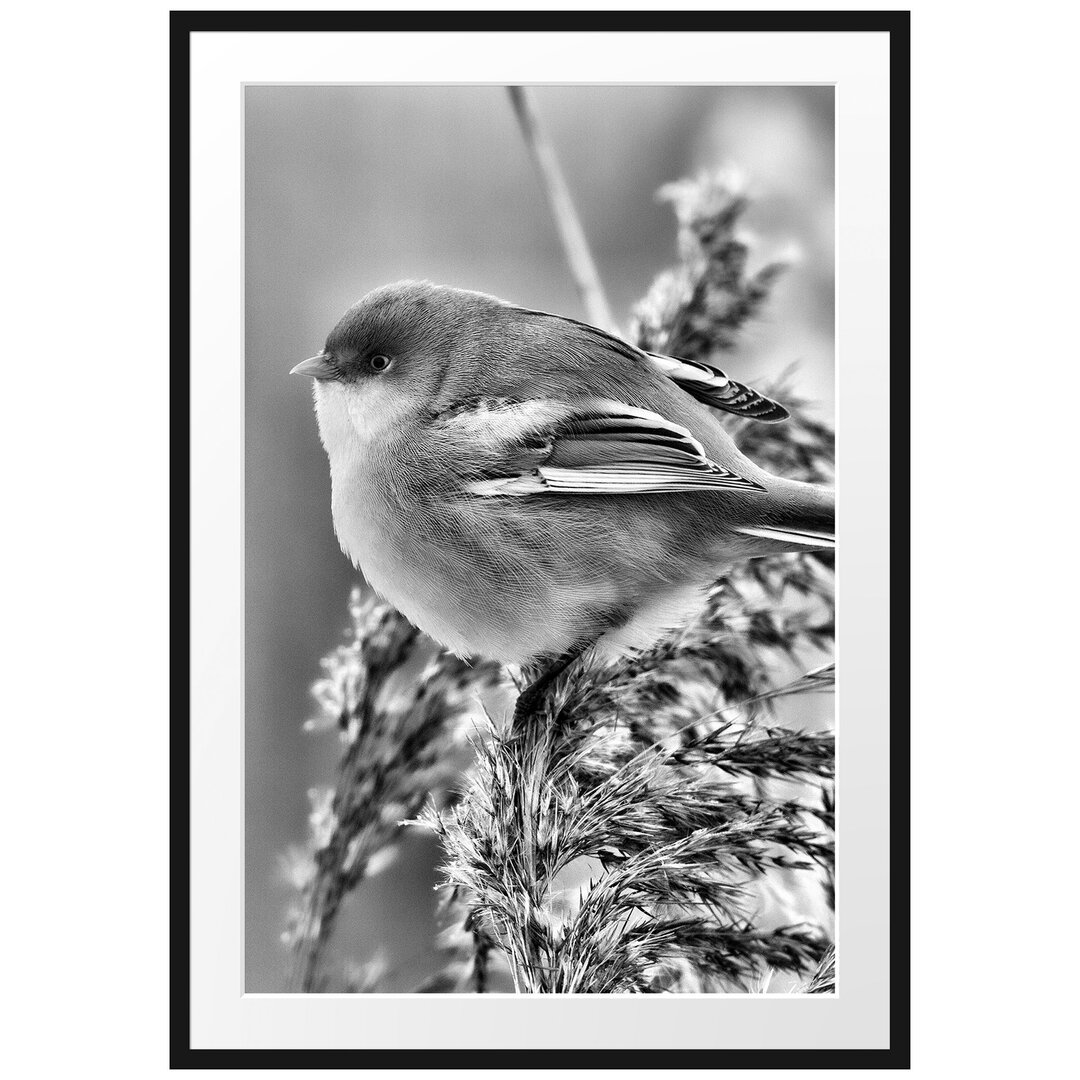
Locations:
column 526, row 487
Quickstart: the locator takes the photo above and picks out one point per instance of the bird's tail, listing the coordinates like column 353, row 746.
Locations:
column 802, row 518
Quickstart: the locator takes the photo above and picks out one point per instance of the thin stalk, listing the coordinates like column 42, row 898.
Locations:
column 571, row 233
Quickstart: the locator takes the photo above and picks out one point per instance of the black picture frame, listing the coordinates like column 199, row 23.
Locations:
column 894, row 23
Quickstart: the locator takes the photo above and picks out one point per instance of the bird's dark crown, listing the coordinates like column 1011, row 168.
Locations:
column 392, row 317
column 408, row 321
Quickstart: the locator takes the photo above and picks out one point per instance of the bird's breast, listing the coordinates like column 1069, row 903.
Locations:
column 506, row 578
column 475, row 584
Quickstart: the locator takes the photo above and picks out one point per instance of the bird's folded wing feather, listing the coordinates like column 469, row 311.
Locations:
column 703, row 381
column 711, row 386
column 591, row 447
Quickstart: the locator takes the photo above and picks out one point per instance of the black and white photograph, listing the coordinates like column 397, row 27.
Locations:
column 545, row 525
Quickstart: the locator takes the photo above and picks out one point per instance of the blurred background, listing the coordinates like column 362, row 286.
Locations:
column 351, row 187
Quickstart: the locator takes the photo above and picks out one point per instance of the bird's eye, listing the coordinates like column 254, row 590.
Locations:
column 379, row 362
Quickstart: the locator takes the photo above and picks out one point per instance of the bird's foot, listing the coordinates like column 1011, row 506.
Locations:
column 530, row 701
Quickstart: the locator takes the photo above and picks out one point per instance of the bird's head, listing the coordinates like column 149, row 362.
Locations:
column 393, row 333
column 387, row 358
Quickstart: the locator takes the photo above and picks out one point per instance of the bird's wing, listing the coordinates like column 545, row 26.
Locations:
column 703, row 381
column 711, row 386
column 590, row 447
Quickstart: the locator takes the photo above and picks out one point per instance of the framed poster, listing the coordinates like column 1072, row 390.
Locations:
column 510, row 712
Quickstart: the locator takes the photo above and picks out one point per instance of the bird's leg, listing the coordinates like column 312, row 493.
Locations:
column 531, row 698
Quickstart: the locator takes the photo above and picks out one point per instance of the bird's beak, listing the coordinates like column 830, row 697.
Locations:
column 318, row 367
